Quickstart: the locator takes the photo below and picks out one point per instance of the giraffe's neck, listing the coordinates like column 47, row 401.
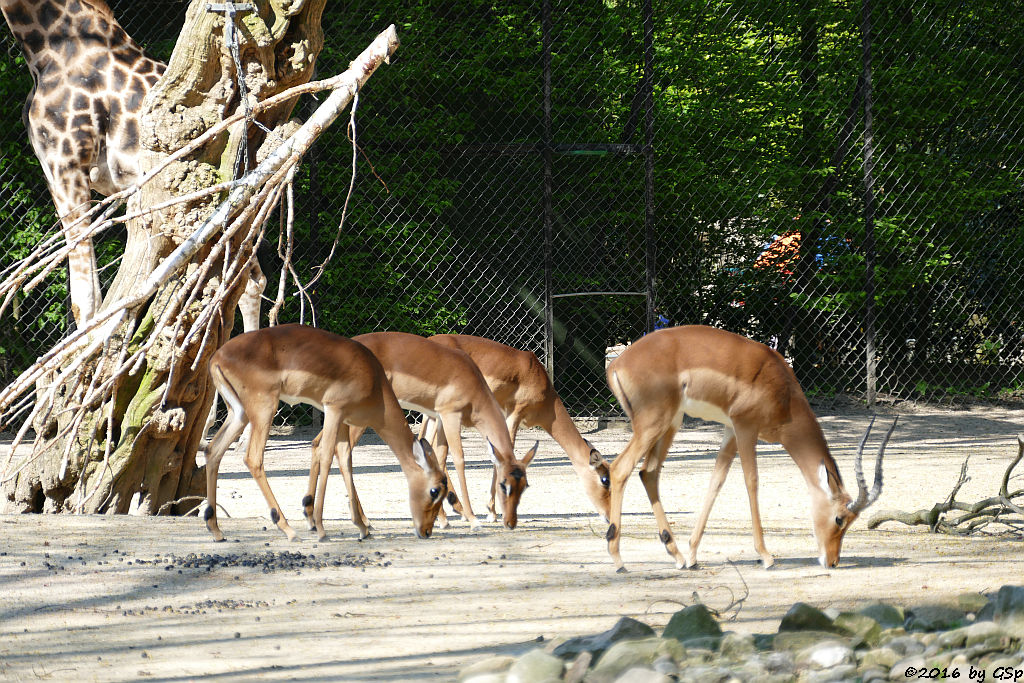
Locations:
column 55, row 35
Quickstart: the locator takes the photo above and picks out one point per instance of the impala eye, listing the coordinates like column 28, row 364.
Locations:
column 839, row 522
column 434, row 493
column 504, row 488
column 606, row 482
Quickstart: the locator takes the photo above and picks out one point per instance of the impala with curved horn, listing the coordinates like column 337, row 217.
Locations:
column 749, row 388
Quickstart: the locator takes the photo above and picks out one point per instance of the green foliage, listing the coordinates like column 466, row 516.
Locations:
column 758, row 132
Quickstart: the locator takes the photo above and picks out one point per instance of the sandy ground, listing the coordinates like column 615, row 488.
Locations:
column 115, row 598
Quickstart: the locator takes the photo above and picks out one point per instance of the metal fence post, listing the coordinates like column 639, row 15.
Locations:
column 648, row 88
column 869, row 212
column 549, row 313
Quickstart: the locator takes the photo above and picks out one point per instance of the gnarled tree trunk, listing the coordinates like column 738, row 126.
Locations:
column 140, row 441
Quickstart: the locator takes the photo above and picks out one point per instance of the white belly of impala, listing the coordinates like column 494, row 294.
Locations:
column 419, row 409
column 294, row 400
column 704, row 411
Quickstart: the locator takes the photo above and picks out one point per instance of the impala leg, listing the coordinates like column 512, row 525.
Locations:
column 260, row 427
column 311, row 486
column 428, row 428
column 747, row 444
column 439, row 441
column 650, row 473
column 618, row 473
column 349, row 437
column 323, row 453
column 451, row 423
column 222, row 440
column 726, row 454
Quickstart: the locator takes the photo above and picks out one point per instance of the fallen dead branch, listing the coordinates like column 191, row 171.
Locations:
column 958, row 518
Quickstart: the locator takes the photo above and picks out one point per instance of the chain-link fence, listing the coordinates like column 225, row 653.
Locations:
column 840, row 180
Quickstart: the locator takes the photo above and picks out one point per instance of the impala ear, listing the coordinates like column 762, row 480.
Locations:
column 420, row 451
column 529, row 454
column 490, row 453
column 823, row 479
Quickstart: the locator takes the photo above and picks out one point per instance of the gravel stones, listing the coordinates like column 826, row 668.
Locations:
column 878, row 643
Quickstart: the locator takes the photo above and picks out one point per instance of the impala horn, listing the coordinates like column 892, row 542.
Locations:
column 864, row 497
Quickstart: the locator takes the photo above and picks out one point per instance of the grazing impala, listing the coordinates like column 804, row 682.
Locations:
column 528, row 399
column 749, row 388
column 300, row 364
column 442, row 383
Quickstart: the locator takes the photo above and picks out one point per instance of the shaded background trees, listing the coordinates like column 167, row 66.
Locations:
column 758, row 134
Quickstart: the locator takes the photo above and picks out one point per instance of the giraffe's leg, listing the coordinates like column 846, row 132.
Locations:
column 71, row 200
column 249, row 302
column 723, row 461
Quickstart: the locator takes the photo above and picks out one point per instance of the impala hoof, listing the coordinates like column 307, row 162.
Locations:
column 621, row 570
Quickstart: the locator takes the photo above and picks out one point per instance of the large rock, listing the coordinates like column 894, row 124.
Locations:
column 879, row 658
column 643, row 675
column 492, row 665
column 905, row 646
column 863, row 628
column 972, row 603
column 625, row 628
column 803, row 617
column 536, row 666
column 934, row 618
column 826, row 654
column 575, row 672
column 1009, row 610
column 627, row 654
column 887, row 616
column 737, row 646
column 795, row 641
column 695, row 621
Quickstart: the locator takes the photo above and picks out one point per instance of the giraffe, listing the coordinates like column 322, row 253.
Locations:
column 82, row 116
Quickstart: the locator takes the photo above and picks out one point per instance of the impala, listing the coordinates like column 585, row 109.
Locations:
column 445, row 384
column 748, row 387
column 300, row 364
column 528, row 399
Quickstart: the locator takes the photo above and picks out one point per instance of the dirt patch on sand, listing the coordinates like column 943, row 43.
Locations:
column 128, row 598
